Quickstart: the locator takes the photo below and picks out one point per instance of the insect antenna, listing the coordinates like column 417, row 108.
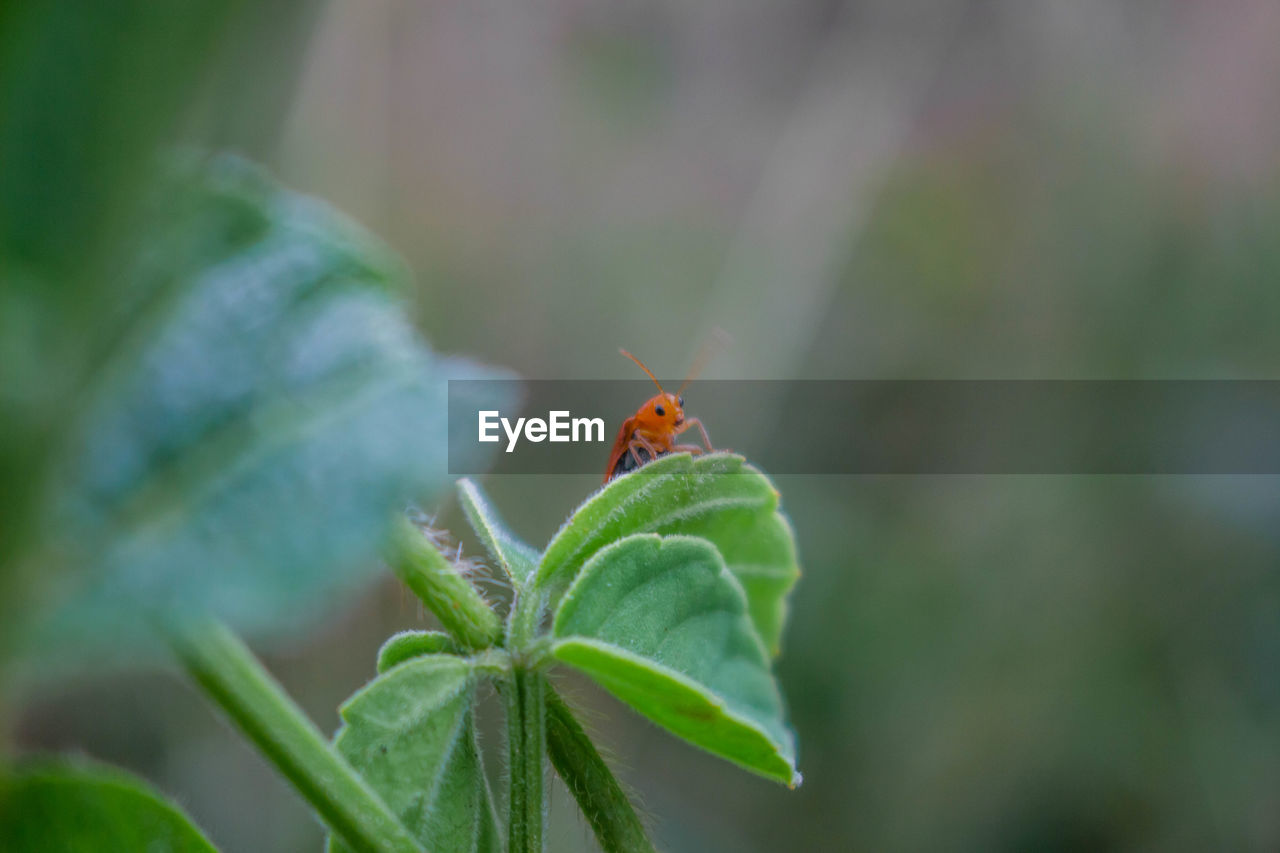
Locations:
column 718, row 339
column 642, row 367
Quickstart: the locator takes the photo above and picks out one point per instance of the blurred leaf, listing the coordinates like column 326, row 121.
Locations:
column 716, row 497
column 246, row 451
column 499, row 390
column 87, row 92
column 411, row 644
column 411, row 734
column 77, row 808
column 253, row 84
column 516, row 558
column 662, row 624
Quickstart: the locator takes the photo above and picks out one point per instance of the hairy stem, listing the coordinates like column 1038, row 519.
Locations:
column 526, row 733
column 233, row 678
column 445, row 592
column 600, row 796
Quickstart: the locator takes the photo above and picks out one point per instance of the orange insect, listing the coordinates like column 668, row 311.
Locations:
column 652, row 430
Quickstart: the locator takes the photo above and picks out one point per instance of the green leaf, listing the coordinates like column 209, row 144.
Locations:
column 759, row 547
column 717, row 497
column 662, row 624
column 85, row 808
column 407, row 645
column 411, row 734
column 247, row 449
column 516, row 558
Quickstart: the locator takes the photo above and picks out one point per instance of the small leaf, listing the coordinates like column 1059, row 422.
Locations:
column 662, row 624
column 411, row 734
column 407, row 645
column 513, row 555
column 83, row 808
column 716, row 497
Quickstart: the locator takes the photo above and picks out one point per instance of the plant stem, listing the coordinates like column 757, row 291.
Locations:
column 598, row 792
column 445, row 592
column 526, row 742
column 229, row 673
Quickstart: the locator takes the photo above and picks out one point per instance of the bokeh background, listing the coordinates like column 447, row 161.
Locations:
column 857, row 189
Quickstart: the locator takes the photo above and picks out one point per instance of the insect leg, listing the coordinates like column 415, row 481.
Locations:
column 650, row 447
column 637, row 444
column 689, row 422
column 639, row 441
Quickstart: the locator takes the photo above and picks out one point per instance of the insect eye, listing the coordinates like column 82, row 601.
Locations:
column 659, row 411
column 680, row 402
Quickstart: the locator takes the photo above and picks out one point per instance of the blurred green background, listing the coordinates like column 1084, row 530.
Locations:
column 850, row 190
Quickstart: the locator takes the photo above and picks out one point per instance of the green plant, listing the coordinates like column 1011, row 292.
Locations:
column 666, row 587
column 215, row 408
column 243, row 450
column 236, row 454
column 74, row 806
